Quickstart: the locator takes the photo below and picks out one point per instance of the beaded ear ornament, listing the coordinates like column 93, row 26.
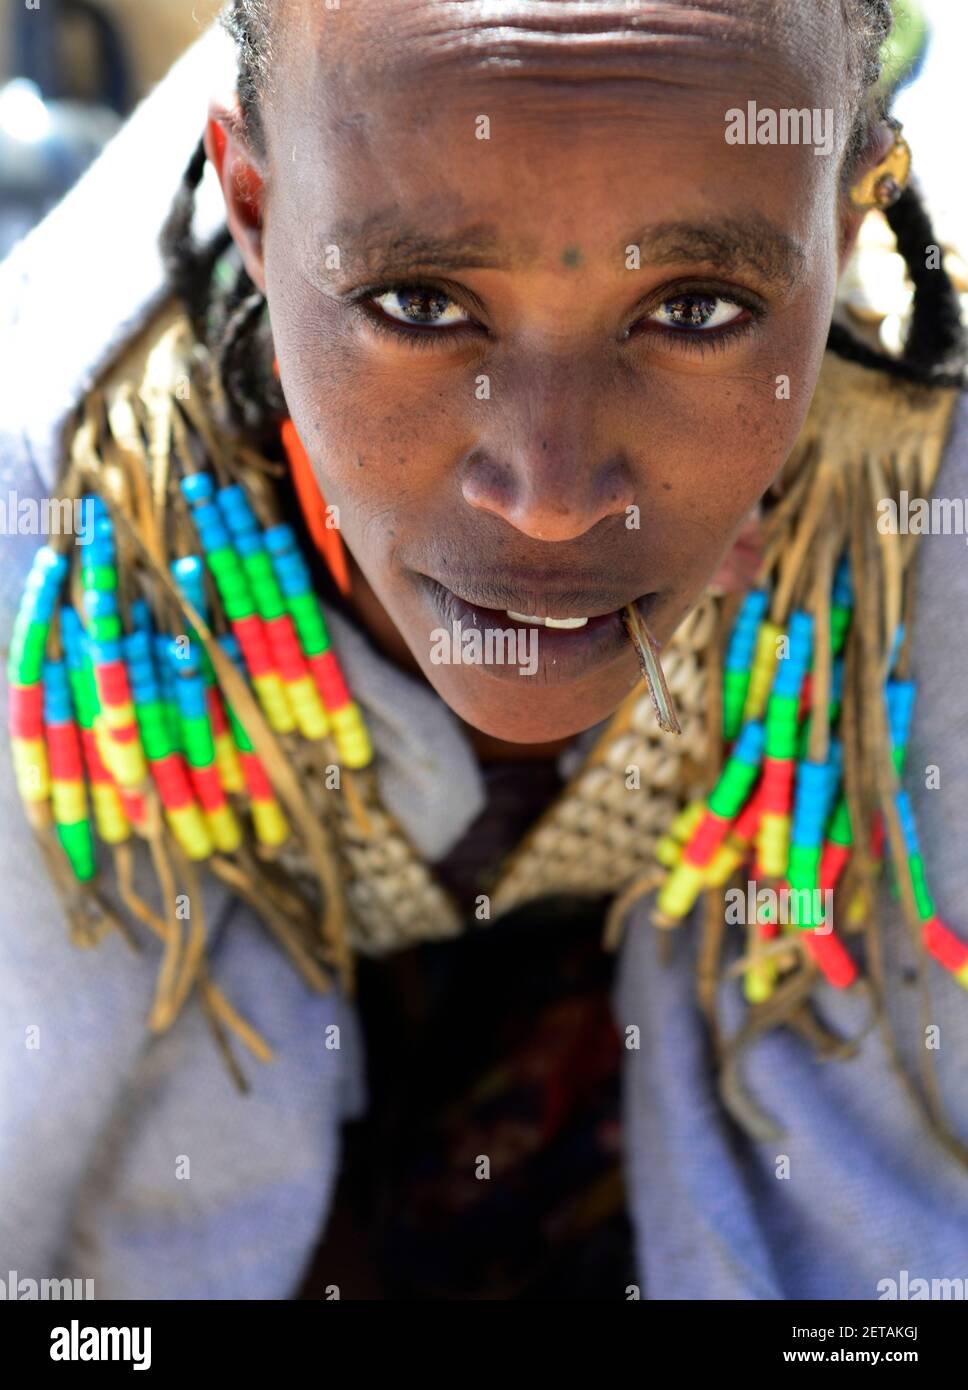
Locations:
column 812, row 712
column 152, row 665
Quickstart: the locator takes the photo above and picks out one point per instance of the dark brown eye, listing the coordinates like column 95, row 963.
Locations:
column 695, row 312
column 421, row 305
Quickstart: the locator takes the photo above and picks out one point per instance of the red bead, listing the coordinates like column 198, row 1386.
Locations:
column 832, row 957
column 290, row 662
column 833, row 861
column 216, row 712
column 171, row 779
column 776, row 788
column 706, row 838
column 329, row 680
column 208, row 787
column 26, row 710
column 95, row 767
column 942, row 943
column 747, row 822
column 64, row 752
column 255, row 648
column 260, row 788
column 112, row 683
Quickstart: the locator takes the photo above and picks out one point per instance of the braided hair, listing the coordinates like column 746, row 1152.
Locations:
column 228, row 314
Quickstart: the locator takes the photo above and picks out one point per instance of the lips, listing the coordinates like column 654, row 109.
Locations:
column 563, row 654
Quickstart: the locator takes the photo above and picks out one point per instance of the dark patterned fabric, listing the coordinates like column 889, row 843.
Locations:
column 488, row 1165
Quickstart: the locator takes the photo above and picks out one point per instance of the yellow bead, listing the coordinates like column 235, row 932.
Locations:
column 308, row 708
column 721, row 866
column 68, row 801
column 758, row 982
column 355, row 750
column 773, row 844
column 118, row 716
column 761, row 672
column 227, row 762
column 962, row 975
column 126, row 763
column 272, row 697
column 668, row 851
column 190, row 829
column 225, row 829
column 680, row 890
column 31, row 768
column 271, row 827
column 112, row 823
column 345, row 718
column 352, row 735
column 686, row 821
column 857, row 908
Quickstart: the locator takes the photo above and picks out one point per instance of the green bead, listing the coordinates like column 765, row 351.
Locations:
column 839, row 831
column 173, row 720
column 155, row 733
column 238, row 608
column 314, row 640
column 85, row 702
column 221, row 559
column 922, row 897
column 258, row 567
column 198, row 741
column 26, row 658
column 78, row 843
column 735, row 686
column 732, row 788
column 106, row 629
column 269, row 602
column 803, row 870
column 104, row 578
column 839, row 623
column 781, row 726
column 242, row 740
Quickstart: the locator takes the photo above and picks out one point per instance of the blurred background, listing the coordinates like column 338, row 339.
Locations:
column 70, row 72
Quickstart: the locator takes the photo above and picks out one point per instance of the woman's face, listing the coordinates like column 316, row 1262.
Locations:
column 546, row 335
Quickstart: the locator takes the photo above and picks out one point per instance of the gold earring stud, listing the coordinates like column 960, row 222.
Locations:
column 883, row 185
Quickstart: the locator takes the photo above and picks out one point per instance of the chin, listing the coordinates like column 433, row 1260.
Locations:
column 525, row 710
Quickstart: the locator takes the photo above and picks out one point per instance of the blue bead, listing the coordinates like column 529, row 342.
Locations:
column 103, row 652
column 72, row 635
column 197, row 486
column 279, row 539
column 749, row 746
column 248, row 542
column 140, row 615
column 842, row 595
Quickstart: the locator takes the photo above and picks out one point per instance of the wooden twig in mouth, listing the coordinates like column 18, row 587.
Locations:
column 646, row 649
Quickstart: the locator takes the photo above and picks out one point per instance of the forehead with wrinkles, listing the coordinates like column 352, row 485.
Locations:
column 792, row 50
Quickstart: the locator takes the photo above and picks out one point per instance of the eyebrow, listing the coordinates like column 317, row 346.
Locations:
column 382, row 244
column 750, row 242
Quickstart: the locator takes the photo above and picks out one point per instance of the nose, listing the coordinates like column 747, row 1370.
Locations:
column 541, row 463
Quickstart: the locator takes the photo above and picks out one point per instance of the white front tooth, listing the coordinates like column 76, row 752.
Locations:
column 565, row 622
column 524, row 617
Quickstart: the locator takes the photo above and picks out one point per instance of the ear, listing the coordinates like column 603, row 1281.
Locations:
column 879, row 142
column 242, row 185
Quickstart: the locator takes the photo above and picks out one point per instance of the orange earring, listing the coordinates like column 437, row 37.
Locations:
column 312, row 504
